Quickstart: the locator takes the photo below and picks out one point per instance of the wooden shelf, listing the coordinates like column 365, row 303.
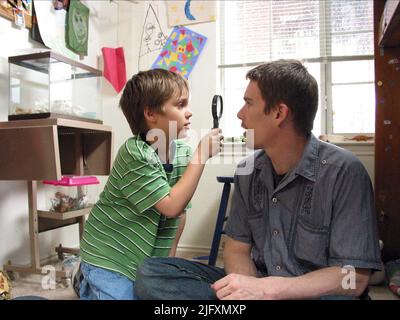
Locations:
column 86, row 125
column 389, row 28
column 9, row 14
column 61, row 146
column 64, row 215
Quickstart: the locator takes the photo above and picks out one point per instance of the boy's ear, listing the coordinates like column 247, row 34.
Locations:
column 150, row 115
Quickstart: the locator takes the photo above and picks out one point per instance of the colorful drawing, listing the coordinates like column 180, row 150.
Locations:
column 181, row 51
column 190, row 11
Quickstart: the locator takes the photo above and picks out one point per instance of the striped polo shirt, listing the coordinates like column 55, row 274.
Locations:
column 124, row 227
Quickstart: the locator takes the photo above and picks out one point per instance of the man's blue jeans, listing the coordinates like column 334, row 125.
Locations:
column 102, row 284
column 176, row 279
column 180, row 279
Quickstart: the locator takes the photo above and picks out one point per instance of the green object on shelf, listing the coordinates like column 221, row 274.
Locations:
column 77, row 28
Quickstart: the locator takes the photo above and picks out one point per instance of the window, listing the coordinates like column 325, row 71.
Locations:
column 334, row 38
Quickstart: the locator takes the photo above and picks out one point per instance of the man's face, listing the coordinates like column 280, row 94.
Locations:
column 260, row 127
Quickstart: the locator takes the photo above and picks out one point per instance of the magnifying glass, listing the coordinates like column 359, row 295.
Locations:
column 217, row 108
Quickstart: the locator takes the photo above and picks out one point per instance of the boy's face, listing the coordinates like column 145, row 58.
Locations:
column 175, row 117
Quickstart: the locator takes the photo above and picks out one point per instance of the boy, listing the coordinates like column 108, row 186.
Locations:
column 149, row 187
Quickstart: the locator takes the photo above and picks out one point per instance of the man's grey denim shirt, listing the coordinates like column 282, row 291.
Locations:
column 321, row 213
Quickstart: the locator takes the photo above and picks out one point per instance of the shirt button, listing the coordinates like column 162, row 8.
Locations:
column 323, row 161
column 275, row 232
column 274, row 200
column 278, row 268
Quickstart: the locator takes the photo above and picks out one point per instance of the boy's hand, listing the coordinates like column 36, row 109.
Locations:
column 210, row 145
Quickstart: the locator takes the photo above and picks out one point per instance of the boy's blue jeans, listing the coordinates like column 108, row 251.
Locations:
column 180, row 279
column 102, row 284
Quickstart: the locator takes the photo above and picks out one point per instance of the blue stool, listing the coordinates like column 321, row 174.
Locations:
column 221, row 218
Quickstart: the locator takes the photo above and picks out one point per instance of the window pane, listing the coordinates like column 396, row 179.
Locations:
column 352, row 71
column 244, row 31
column 315, row 70
column 351, row 27
column 351, row 15
column 352, row 44
column 295, row 29
column 353, row 108
column 235, row 85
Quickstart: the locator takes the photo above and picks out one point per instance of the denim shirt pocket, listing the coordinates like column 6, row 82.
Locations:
column 310, row 244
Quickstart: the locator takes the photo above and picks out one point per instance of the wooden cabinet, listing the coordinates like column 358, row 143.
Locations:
column 387, row 128
column 42, row 149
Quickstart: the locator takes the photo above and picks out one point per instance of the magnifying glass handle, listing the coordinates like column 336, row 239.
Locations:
column 216, row 112
column 215, row 123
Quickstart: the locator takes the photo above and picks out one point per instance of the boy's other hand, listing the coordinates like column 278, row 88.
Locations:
column 210, row 145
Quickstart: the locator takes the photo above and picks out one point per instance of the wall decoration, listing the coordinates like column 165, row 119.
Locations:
column 19, row 18
column 114, row 67
column 60, row 4
column 190, row 12
column 153, row 38
column 51, row 24
column 77, row 34
column 35, row 32
column 181, row 51
column 19, row 11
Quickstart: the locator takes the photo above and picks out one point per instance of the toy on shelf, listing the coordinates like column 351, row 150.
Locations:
column 66, row 197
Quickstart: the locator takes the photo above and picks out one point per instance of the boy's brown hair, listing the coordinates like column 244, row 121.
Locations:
column 152, row 89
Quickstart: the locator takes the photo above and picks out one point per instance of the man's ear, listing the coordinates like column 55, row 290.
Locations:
column 281, row 113
column 150, row 115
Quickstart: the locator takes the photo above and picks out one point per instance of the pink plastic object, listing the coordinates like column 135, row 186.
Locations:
column 71, row 181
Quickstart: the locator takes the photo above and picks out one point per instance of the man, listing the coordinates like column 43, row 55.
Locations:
column 302, row 223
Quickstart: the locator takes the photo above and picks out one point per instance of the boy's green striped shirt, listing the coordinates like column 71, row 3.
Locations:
column 123, row 227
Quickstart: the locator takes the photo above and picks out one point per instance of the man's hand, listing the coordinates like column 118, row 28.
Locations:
column 240, row 287
column 313, row 285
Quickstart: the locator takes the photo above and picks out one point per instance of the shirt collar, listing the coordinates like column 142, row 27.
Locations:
column 307, row 165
